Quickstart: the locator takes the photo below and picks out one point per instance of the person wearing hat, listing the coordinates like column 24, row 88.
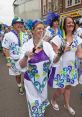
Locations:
column 36, row 56
column 11, row 47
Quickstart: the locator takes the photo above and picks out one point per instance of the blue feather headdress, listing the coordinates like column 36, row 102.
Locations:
column 28, row 24
column 51, row 16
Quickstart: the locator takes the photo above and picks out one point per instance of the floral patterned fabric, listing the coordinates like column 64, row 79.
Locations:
column 37, row 73
column 36, row 77
column 67, row 72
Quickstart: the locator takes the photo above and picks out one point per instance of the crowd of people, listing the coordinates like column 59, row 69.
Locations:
column 48, row 54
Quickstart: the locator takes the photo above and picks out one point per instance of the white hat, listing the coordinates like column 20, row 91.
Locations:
column 80, row 21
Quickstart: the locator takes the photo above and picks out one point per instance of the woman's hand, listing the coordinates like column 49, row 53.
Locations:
column 30, row 54
column 67, row 48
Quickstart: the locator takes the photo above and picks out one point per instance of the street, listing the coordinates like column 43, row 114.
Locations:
column 14, row 105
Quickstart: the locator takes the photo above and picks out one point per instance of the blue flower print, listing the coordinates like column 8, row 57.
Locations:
column 14, row 48
column 65, row 69
column 75, row 43
column 34, row 109
column 69, row 68
column 61, row 85
column 72, row 81
column 36, row 103
column 68, row 79
column 38, row 86
column 57, row 77
column 46, row 66
column 32, row 69
column 75, row 76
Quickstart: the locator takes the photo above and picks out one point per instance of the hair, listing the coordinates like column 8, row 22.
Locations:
column 36, row 25
column 64, row 24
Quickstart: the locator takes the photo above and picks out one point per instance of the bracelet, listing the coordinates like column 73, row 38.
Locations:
column 8, row 60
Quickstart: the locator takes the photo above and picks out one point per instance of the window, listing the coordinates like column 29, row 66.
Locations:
column 44, row 9
column 55, row 5
column 49, row 6
column 70, row 3
column 77, row 1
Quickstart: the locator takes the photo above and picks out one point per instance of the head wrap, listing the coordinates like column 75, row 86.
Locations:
column 51, row 16
column 35, row 22
column 16, row 20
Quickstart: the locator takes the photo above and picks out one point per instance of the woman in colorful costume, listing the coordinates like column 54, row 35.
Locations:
column 67, row 75
column 36, row 57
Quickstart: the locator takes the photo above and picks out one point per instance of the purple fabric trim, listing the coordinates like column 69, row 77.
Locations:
column 26, row 76
column 51, row 76
column 38, row 57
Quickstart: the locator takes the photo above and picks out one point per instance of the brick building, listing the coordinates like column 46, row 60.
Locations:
column 63, row 7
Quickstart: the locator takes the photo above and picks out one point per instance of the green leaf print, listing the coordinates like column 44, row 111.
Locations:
column 37, row 76
column 44, row 73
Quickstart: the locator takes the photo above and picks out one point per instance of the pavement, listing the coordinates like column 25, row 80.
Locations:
column 14, row 105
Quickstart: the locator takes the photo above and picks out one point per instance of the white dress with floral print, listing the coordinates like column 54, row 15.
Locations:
column 67, row 73
column 36, row 77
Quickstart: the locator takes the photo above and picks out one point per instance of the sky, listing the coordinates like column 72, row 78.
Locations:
column 6, row 11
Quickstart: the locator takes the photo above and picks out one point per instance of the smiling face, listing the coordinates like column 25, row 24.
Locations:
column 55, row 24
column 17, row 26
column 38, row 30
column 69, row 25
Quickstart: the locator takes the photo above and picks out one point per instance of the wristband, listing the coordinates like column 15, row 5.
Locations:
column 8, row 60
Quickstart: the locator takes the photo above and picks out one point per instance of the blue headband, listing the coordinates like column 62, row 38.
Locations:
column 35, row 22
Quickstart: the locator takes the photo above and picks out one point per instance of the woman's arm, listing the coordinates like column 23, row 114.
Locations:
column 79, row 51
column 55, row 47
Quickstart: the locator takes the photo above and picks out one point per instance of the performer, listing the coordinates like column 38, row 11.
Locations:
column 67, row 75
column 11, row 47
column 53, row 20
column 36, row 57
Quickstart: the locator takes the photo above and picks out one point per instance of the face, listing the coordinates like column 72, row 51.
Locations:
column 17, row 26
column 55, row 24
column 69, row 25
column 22, row 27
column 38, row 30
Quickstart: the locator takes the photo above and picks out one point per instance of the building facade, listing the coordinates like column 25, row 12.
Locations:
column 63, row 7
column 27, row 9
column 72, row 8
column 49, row 5
column 33, row 9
